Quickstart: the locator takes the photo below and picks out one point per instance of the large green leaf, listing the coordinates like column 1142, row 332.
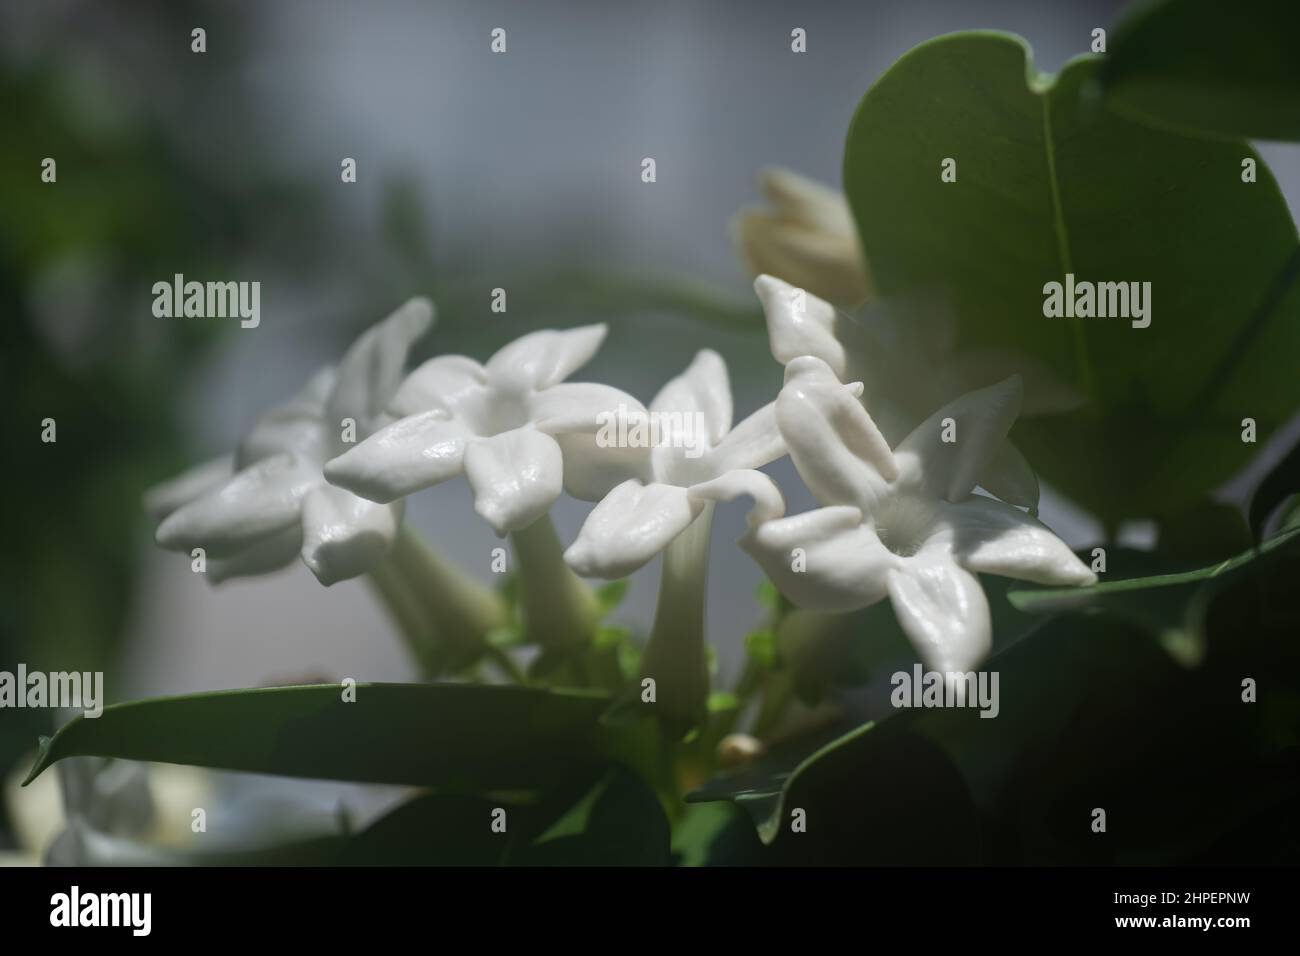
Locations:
column 1174, row 606
column 456, row 737
column 1090, row 715
column 1196, row 65
column 1050, row 182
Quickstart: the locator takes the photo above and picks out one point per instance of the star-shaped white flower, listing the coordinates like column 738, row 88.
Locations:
column 806, row 236
column 699, row 458
column 270, row 503
column 516, row 430
column 909, row 368
column 903, row 523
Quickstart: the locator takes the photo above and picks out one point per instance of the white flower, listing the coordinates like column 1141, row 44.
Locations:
column 909, row 368
column 269, row 504
column 668, row 507
column 807, row 236
column 903, row 523
column 513, row 427
column 676, row 479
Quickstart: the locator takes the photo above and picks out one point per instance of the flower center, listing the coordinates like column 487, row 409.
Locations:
column 905, row 524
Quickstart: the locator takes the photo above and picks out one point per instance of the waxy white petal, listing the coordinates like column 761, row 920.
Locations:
column 542, row 359
column 263, row 498
column 344, row 535
column 825, row 559
column 271, row 552
column 582, row 407
column 411, row 453
column 164, row 498
column 1009, row 476
column 979, row 423
column 1046, row 393
column 286, row 429
column 769, row 503
column 806, row 325
column 516, row 477
column 371, row 370
column 592, row 470
column 754, row 442
column 991, row 537
column 453, row 384
column 629, row 527
column 943, row 611
column 702, row 389
column 837, row 448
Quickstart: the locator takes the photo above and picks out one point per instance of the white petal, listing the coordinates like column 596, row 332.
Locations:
column 825, row 560
column 269, row 553
column 769, row 503
column 702, row 390
column 580, row 407
column 281, row 430
column 411, row 453
column 263, row 498
column 806, row 325
column 753, row 443
column 1046, row 393
column 593, row 469
column 542, row 359
column 371, row 370
column 1010, row 477
column 592, row 424
column 837, row 448
column 943, row 611
column 994, row 538
column 343, row 535
column 516, row 477
column 629, row 527
column 164, row 498
column 979, row 423
column 454, row 384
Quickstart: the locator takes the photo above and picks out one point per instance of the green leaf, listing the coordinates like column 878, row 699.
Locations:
column 1195, row 66
column 610, row 596
column 457, row 737
column 1173, row 606
column 1050, row 182
column 1278, row 485
column 761, row 646
column 1088, row 715
column 619, row 823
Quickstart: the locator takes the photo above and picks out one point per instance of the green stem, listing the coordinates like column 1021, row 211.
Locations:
column 408, row 614
column 559, row 611
column 675, row 656
column 426, row 591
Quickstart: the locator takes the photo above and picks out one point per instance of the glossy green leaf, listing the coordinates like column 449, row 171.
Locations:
column 456, row 737
column 1174, row 606
column 1049, row 183
column 1088, row 715
column 1199, row 66
column 619, row 823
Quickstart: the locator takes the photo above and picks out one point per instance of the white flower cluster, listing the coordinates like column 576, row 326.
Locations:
column 890, row 426
column 900, row 517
